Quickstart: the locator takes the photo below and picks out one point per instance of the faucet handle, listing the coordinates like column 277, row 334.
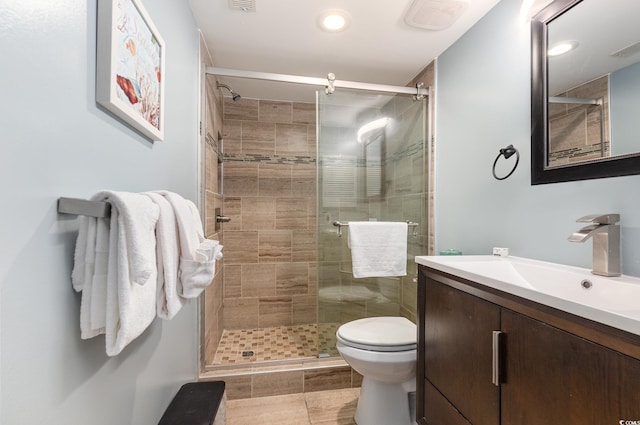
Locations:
column 600, row 218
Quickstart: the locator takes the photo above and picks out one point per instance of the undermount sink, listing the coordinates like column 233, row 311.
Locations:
column 614, row 301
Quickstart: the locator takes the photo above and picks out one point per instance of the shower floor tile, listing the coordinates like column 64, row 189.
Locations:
column 276, row 343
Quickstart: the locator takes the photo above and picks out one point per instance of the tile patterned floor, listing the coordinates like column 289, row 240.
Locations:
column 276, row 343
column 327, row 338
column 335, row 407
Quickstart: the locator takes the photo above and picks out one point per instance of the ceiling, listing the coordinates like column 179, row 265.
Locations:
column 282, row 37
column 600, row 28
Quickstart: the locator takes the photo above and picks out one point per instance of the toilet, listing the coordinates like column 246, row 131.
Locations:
column 383, row 350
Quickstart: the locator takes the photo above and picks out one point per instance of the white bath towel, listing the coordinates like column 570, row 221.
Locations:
column 378, row 248
column 132, row 272
column 197, row 255
column 116, row 271
column 168, row 298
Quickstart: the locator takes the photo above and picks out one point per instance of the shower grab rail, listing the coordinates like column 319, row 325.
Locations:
column 341, row 224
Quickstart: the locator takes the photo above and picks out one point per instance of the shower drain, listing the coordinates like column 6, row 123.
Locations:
column 248, row 353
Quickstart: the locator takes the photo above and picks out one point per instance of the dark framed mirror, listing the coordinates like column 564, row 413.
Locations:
column 585, row 102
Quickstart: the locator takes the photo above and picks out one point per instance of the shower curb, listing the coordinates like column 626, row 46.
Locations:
column 263, row 380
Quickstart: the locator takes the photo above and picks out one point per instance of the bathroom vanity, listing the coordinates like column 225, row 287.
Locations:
column 497, row 345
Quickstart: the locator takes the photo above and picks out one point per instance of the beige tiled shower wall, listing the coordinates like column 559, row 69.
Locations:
column 575, row 131
column 212, row 323
column 269, row 179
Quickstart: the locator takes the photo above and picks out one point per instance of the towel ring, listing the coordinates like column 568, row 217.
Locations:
column 507, row 153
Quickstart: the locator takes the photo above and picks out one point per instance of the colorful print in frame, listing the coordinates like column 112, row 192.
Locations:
column 130, row 66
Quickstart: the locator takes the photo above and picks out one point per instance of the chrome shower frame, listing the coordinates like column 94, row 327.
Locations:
column 314, row 81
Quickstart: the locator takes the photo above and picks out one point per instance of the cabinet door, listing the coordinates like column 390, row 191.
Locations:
column 439, row 411
column 458, row 351
column 552, row 377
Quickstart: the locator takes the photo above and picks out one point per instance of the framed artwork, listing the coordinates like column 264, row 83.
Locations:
column 130, row 66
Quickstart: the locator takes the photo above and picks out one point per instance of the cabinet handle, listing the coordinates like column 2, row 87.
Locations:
column 496, row 361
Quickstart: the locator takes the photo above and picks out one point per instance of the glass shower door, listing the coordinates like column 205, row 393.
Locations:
column 371, row 165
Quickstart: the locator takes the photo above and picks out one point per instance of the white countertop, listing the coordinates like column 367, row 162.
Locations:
column 613, row 301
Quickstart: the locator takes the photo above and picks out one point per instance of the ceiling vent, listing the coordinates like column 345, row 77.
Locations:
column 627, row 51
column 244, row 5
column 435, row 14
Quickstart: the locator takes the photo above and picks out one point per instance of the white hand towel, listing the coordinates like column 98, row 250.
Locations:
column 197, row 254
column 378, row 248
column 168, row 299
column 131, row 272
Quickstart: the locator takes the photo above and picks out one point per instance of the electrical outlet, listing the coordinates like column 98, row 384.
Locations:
column 501, row 252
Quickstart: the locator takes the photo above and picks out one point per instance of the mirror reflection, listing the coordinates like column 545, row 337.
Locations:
column 373, row 158
column 593, row 61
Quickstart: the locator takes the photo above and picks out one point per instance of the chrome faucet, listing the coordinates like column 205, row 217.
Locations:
column 606, row 242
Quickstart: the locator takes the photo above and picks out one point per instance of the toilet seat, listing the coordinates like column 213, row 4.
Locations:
column 385, row 334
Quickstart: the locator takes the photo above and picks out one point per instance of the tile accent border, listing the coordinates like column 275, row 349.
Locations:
column 268, row 159
column 578, row 153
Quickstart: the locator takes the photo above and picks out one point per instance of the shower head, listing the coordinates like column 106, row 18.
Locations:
column 235, row 96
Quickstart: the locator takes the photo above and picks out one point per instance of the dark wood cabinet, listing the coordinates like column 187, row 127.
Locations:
column 458, row 349
column 551, row 367
column 570, row 379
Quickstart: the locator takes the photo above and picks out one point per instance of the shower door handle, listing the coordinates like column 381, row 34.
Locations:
column 220, row 218
column 223, row 219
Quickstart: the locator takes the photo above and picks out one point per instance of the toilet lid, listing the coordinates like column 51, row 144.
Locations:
column 379, row 334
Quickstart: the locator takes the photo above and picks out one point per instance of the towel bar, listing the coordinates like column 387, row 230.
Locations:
column 341, row 224
column 76, row 206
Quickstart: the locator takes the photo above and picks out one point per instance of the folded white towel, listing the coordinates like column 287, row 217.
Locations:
column 98, row 314
column 80, row 254
column 378, row 248
column 125, row 278
column 83, row 273
column 197, row 254
column 168, row 298
column 131, row 274
column 100, row 250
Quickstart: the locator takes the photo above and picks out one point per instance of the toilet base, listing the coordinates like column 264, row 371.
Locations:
column 382, row 403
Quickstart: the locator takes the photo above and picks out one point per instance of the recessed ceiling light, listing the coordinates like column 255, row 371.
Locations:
column 334, row 20
column 561, row 48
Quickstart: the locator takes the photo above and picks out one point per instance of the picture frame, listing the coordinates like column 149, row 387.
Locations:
column 130, row 66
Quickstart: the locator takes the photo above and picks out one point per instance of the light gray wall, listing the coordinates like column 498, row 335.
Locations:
column 483, row 104
column 625, row 109
column 56, row 142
